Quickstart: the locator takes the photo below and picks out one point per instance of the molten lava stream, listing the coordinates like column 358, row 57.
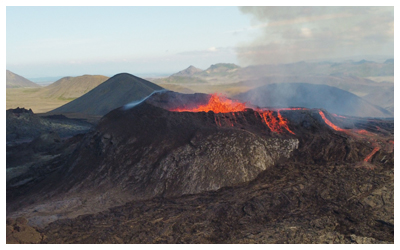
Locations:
column 330, row 124
column 357, row 133
column 275, row 124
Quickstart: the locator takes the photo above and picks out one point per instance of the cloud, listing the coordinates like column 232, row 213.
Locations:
column 289, row 34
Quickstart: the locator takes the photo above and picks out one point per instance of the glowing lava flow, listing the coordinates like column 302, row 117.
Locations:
column 352, row 132
column 275, row 124
column 376, row 149
column 219, row 104
column 330, row 124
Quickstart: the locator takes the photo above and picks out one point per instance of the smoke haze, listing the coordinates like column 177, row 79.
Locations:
column 290, row 34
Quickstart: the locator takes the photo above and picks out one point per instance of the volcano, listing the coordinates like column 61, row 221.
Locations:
column 212, row 157
column 115, row 92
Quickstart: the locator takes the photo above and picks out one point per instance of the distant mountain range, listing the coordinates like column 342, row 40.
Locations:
column 195, row 75
column 16, row 81
column 190, row 71
column 230, row 73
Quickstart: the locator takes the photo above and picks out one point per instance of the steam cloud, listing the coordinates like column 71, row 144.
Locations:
column 133, row 104
column 291, row 34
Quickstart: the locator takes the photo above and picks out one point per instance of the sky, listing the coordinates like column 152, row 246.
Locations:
column 151, row 41
column 45, row 41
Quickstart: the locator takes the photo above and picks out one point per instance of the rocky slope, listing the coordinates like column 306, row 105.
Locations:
column 287, row 203
column 23, row 125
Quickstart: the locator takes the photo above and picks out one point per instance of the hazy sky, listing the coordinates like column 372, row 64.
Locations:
column 60, row 41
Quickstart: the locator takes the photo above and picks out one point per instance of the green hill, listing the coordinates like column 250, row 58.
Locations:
column 69, row 88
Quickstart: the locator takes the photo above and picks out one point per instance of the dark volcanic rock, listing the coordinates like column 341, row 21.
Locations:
column 287, row 203
column 24, row 126
column 148, row 151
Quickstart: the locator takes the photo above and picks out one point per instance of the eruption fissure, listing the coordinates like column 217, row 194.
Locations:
column 218, row 104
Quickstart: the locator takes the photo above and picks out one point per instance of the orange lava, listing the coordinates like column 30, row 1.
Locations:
column 217, row 104
column 330, row 124
column 376, row 149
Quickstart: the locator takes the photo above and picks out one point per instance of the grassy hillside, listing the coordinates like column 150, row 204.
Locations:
column 70, row 88
column 44, row 99
column 16, row 81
